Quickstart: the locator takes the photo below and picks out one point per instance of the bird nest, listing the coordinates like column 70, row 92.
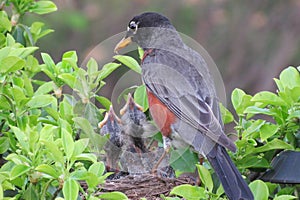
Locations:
column 146, row 186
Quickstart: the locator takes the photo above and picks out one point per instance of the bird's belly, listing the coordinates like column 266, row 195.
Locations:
column 161, row 115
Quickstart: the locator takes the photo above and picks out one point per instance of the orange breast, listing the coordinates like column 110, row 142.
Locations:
column 161, row 115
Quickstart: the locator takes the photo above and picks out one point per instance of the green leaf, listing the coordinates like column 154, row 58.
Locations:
column 141, row 98
column 107, row 70
column 43, row 7
column 47, row 169
column 227, row 117
column 68, row 143
column 49, row 62
column 253, row 128
column 4, row 22
column 47, row 132
column 87, row 156
column 183, row 160
column 252, row 162
column 259, row 189
column 267, row 97
column 21, row 137
column 80, row 146
column 30, row 193
column 141, row 53
column 274, row 144
column 189, row 192
column 256, row 110
column 205, row 177
column 85, row 125
column 104, row 101
column 129, row 62
column 113, row 196
column 290, row 78
column 18, row 171
column 240, row 100
column 285, row 197
column 4, row 144
column 92, row 67
column 70, row 189
column 22, row 52
column 45, row 88
column 70, row 55
column 1, row 192
column 97, row 168
column 41, row 101
column 54, row 151
column 68, row 79
column 11, row 64
column 267, row 131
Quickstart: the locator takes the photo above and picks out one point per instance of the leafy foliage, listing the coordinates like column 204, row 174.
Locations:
column 43, row 160
column 48, row 135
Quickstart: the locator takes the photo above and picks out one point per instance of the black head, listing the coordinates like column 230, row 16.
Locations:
column 149, row 19
column 146, row 29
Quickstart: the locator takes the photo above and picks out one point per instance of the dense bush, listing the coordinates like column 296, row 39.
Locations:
column 48, row 134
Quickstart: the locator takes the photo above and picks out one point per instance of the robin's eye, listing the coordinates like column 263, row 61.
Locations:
column 133, row 26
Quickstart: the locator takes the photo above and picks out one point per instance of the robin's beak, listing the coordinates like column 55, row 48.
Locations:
column 123, row 43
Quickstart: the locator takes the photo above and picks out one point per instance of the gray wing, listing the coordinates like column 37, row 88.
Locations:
column 187, row 93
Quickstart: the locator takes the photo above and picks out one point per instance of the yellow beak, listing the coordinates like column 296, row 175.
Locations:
column 123, row 43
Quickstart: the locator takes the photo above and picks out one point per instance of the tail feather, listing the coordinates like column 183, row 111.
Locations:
column 234, row 185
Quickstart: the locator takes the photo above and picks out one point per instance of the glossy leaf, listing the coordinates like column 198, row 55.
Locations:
column 189, row 192
column 113, row 196
column 267, row 131
column 4, row 21
column 18, row 170
column 205, row 177
column 141, row 98
column 70, row 189
column 267, row 97
column 47, row 169
column 21, row 137
column 45, row 88
column 43, row 7
column 252, row 162
column 183, row 160
column 80, row 146
column 290, row 78
column 129, row 62
column 49, row 62
column 4, row 144
column 285, row 197
column 68, row 78
column 11, row 64
column 87, row 156
column 107, row 70
column 259, row 189
column 272, row 145
column 54, row 151
column 104, row 101
column 227, row 117
column 68, row 143
column 41, row 101
column 97, row 168
column 240, row 100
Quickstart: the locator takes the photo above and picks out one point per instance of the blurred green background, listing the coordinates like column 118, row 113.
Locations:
column 250, row 41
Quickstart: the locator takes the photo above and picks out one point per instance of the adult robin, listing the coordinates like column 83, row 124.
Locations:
column 182, row 97
column 112, row 125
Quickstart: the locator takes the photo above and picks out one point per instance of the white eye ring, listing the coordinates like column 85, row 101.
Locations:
column 133, row 26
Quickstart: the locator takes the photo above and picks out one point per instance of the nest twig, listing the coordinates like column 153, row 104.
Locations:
column 146, row 185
